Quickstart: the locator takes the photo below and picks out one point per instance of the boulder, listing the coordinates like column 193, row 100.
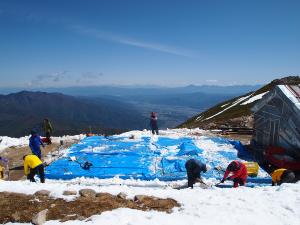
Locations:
column 122, row 195
column 16, row 216
column 70, row 192
column 40, row 218
column 45, row 193
column 143, row 198
column 88, row 193
column 99, row 194
column 140, row 198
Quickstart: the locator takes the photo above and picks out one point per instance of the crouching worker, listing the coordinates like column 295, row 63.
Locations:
column 32, row 166
column 238, row 171
column 280, row 176
column 193, row 168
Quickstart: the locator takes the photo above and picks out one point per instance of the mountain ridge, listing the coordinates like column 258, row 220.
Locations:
column 25, row 110
column 235, row 112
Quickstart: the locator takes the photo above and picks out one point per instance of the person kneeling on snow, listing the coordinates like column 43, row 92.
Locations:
column 32, row 166
column 238, row 171
column 280, row 176
column 193, row 168
column 35, row 142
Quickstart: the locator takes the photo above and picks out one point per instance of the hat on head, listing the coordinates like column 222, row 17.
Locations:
column 33, row 132
column 234, row 166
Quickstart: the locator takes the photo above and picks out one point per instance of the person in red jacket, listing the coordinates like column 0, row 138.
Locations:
column 238, row 171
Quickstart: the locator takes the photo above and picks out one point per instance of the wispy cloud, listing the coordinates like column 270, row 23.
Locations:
column 212, row 81
column 132, row 42
column 89, row 77
column 65, row 78
column 100, row 34
column 56, row 77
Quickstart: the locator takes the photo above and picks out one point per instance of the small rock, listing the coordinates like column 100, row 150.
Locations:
column 140, row 198
column 52, row 205
column 16, row 216
column 81, row 218
column 42, row 193
column 122, row 195
column 70, row 193
column 89, row 193
column 169, row 211
column 40, row 218
column 99, row 195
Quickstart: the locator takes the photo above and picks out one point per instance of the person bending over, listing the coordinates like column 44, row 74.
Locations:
column 238, row 172
column 194, row 168
column 280, row 176
column 32, row 166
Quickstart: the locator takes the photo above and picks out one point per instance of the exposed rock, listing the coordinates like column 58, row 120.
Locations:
column 81, row 208
column 16, row 216
column 122, row 195
column 88, row 193
column 81, row 218
column 40, row 218
column 142, row 198
column 70, row 192
column 42, row 193
column 99, row 194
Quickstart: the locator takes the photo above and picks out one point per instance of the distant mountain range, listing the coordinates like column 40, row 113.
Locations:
column 20, row 112
column 235, row 112
column 138, row 90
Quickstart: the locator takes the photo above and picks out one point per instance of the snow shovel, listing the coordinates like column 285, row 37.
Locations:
column 85, row 165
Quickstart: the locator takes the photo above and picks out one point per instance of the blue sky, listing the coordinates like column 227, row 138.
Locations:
column 169, row 43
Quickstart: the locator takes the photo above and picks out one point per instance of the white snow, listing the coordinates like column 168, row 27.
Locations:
column 6, row 142
column 214, row 206
column 222, row 106
column 254, row 98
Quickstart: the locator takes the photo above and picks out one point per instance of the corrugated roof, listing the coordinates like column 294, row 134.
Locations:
column 295, row 90
column 292, row 92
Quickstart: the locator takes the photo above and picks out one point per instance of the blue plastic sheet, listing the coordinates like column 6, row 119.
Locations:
column 143, row 159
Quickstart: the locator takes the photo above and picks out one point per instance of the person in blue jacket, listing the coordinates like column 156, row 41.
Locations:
column 193, row 168
column 35, row 142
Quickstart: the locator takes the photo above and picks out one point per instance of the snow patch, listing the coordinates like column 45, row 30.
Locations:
column 254, row 98
column 232, row 105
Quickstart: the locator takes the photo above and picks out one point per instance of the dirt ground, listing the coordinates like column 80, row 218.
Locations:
column 243, row 138
column 15, row 157
column 21, row 208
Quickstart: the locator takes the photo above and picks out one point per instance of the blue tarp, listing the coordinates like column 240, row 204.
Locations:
column 144, row 159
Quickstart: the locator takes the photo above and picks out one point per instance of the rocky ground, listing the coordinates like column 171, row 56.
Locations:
column 40, row 207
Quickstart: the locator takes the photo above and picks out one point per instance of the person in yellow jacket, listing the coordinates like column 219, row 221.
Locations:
column 32, row 166
column 280, row 176
column 1, row 172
